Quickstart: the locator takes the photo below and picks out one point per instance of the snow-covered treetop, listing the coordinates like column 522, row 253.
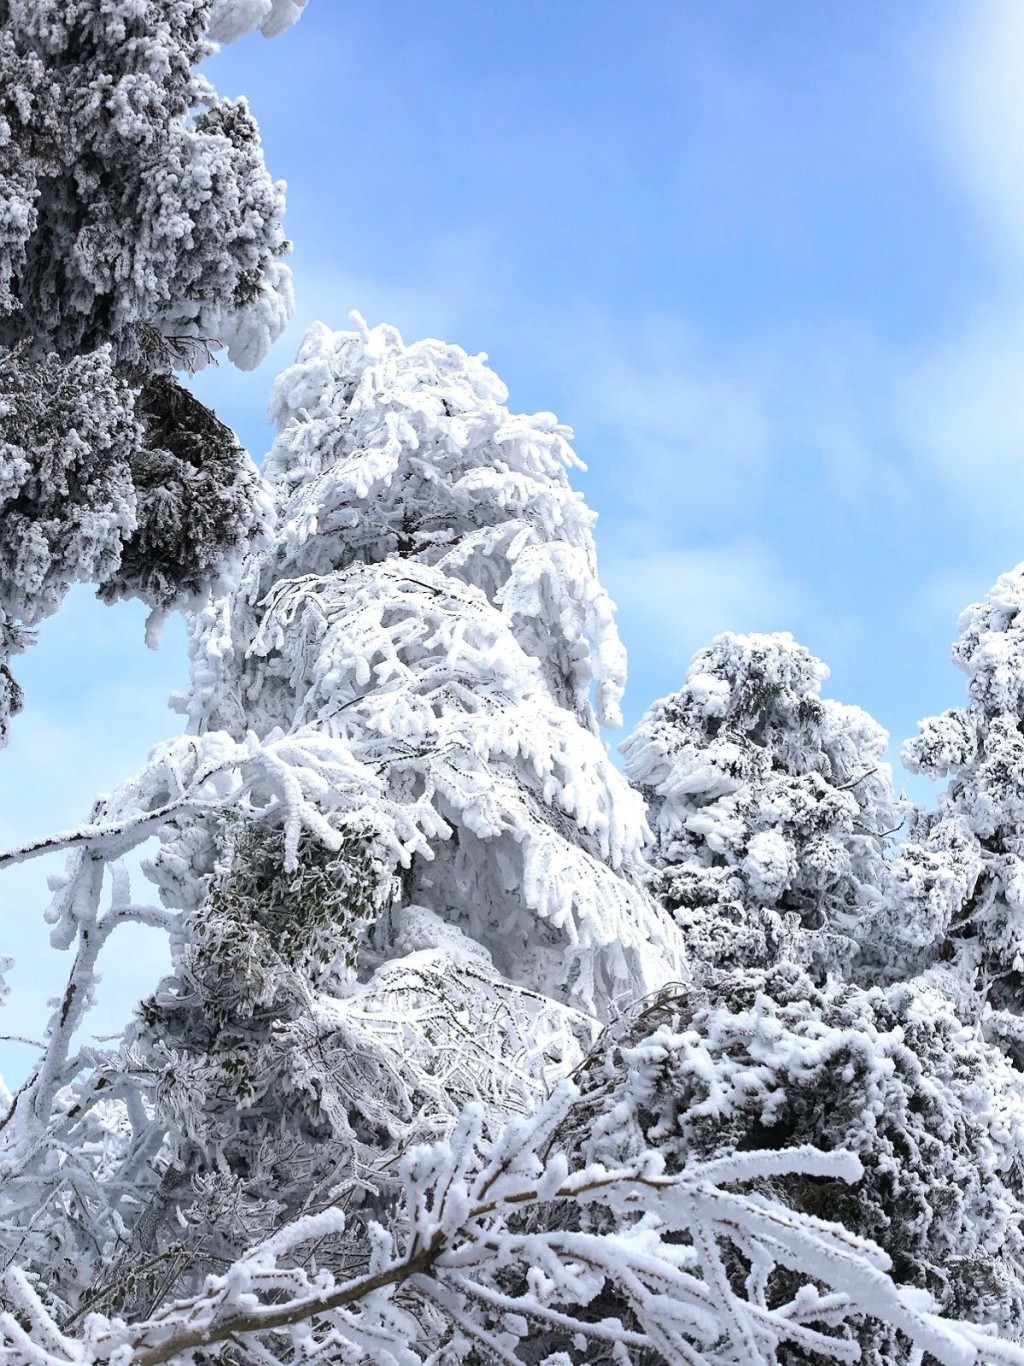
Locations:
column 762, row 792
column 387, row 449
column 990, row 651
column 138, row 211
column 430, row 595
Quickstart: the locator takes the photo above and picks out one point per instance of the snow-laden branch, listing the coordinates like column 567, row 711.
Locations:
column 232, row 19
column 495, row 1245
column 295, row 779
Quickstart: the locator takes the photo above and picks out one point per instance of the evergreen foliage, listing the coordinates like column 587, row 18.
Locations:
column 771, row 806
column 764, row 1060
column 965, row 890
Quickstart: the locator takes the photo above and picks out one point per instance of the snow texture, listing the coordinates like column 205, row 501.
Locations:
column 965, row 867
column 471, row 1049
column 771, row 807
column 139, row 233
column 231, row 19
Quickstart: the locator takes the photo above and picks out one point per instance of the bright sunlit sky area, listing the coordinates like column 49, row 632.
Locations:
column 767, row 260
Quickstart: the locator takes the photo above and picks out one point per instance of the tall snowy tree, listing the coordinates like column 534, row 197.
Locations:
column 431, row 598
column 141, row 234
column 963, row 886
column 425, row 645
column 430, row 603
column 771, row 807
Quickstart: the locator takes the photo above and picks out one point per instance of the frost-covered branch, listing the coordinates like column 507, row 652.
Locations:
column 295, row 776
column 496, row 1246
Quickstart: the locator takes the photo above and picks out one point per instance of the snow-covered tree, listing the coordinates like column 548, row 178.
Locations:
column 418, row 657
column 140, row 234
column 430, row 597
column 771, row 807
column 963, row 886
column 763, row 1061
column 429, row 602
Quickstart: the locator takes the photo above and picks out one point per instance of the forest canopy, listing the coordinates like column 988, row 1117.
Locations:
column 474, row 1046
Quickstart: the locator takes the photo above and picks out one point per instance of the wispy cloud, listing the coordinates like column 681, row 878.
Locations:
column 959, row 403
column 680, row 437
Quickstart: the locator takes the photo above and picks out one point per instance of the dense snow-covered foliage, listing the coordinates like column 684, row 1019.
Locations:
column 142, row 492
column 144, row 218
column 430, row 597
column 763, row 1060
column 502, row 1251
column 404, row 886
column 770, row 805
column 965, row 881
column 469, row 1051
column 68, row 434
column 140, row 232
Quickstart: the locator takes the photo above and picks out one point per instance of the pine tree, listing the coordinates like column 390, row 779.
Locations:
column 464, row 907
column 426, row 540
column 963, row 885
column 771, row 808
column 141, row 235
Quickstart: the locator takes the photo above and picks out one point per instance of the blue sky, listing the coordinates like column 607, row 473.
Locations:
column 768, row 260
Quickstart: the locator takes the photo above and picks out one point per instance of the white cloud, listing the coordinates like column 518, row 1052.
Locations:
column 959, row 404
column 979, row 112
column 962, row 412
column 680, row 432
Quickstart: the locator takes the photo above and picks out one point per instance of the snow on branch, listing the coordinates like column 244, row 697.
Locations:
column 291, row 779
column 232, row 19
column 502, row 1239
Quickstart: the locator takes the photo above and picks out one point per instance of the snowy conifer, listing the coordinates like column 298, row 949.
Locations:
column 770, row 806
column 140, row 234
column 760, row 1061
column 437, row 900
column 963, row 886
column 431, row 597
